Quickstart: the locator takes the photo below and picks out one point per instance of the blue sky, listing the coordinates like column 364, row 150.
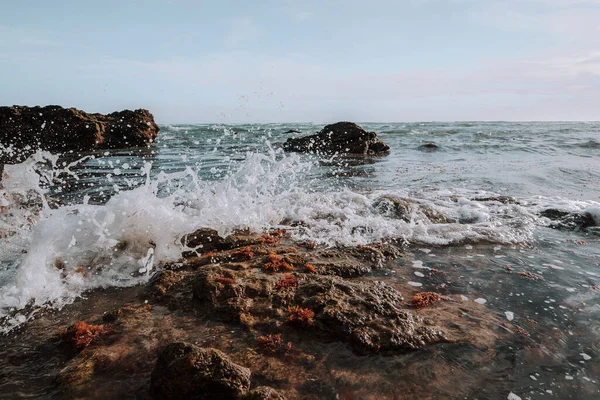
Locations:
column 313, row 61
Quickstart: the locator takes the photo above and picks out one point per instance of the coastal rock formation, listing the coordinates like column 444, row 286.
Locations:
column 23, row 130
column 341, row 138
column 185, row 371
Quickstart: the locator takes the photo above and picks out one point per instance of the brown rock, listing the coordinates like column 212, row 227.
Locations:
column 341, row 138
column 185, row 371
column 264, row 393
column 60, row 130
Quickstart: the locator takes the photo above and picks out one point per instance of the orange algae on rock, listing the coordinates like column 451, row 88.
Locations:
column 300, row 316
column 81, row 334
column 268, row 239
column 275, row 264
column 310, row 268
column 287, row 281
column 269, row 343
column 425, row 299
column 245, row 252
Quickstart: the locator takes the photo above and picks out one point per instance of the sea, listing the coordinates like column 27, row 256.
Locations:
column 497, row 204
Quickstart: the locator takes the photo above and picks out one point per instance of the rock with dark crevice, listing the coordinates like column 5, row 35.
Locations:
column 340, row 138
column 185, row 371
column 23, row 130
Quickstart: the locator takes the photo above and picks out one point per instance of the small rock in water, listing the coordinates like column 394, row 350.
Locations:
column 509, row 315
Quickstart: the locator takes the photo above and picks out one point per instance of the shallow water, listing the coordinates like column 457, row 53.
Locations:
column 124, row 212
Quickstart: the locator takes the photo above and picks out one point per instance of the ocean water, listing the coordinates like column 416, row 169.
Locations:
column 475, row 204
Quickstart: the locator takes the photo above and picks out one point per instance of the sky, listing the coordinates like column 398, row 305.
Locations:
column 306, row 61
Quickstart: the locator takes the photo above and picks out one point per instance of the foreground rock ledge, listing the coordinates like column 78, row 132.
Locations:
column 185, row 371
column 23, row 130
column 341, row 138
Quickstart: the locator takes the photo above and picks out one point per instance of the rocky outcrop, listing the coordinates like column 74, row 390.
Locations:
column 185, row 371
column 341, row 138
column 23, row 130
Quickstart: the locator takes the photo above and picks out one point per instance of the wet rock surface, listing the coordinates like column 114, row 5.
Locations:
column 23, row 130
column 270, row 320
column 187, row 371
column 341, row 138
column 570, row 221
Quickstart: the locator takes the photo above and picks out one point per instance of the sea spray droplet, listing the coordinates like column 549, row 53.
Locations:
column 509, row 315
column 585, row 356
column 416, row 284
column 512, row 396
column 419, row 274
column 480, row 301
column 418, row 264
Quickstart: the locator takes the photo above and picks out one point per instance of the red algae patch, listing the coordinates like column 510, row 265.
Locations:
column 310, row 268
column 276, row 264
column 425, row 299
column 81, row 334
column 300, row 316
column 287, row 281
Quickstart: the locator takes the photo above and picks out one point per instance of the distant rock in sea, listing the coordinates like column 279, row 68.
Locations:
column 342, row 138
column 429, row 147
column 23, row 130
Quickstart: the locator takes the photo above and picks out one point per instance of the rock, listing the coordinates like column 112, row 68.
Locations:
column 264, row 393
column 292, row 131
column 341, row 138
column 429, row 147
column 185, row 371
column 570, row 221
column 23, row 130
column 365, row 314
column 204, row 240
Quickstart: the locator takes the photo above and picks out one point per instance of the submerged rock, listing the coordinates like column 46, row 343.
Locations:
column 23, row 130
column 185, row 371
column 264, row 393
column 341, row 138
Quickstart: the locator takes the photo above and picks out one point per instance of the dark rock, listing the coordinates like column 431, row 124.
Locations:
column 205, row 239
column 292, row 131
column 264, row 393
column 429, row 147
column 341, row 138
column 185, row 371
column 60, row 130
column 570, row 221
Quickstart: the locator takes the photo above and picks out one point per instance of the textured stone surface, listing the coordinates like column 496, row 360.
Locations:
column 23, row 130
column 341, row 138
